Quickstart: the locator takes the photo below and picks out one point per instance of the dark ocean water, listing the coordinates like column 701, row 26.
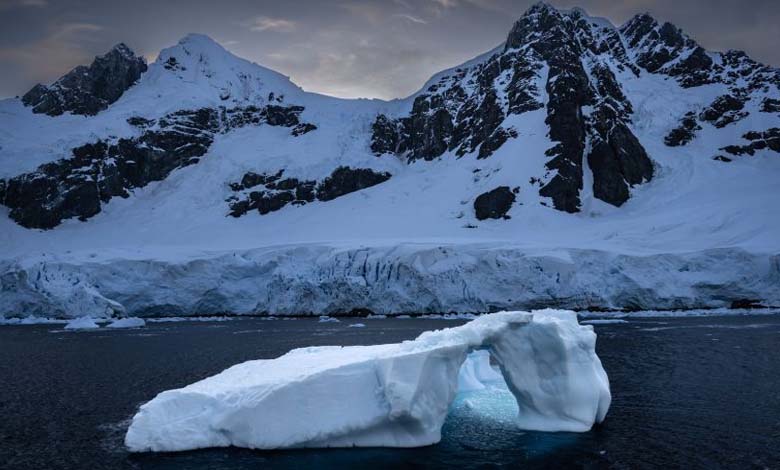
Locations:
column 687, row 393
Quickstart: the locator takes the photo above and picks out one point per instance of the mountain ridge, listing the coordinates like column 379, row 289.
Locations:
column 564, row 61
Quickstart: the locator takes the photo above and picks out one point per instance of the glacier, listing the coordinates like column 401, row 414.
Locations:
column 391, row 395
column 393, row 279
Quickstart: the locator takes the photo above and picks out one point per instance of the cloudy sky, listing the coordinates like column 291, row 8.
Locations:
column 348, row 48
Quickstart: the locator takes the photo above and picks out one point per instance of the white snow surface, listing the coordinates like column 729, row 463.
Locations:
column 393, row 395
column 701, row 233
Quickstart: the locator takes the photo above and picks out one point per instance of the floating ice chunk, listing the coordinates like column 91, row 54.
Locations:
column 131, row 322
column 394, row 395
column 327, row 319
column 82, row 323
column 604, row 321
column 187, row 319
column 357, row 325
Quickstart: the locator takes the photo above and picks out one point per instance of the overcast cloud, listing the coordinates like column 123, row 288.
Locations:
column 349, row 48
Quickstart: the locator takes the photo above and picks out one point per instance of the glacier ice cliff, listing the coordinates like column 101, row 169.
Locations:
column 393, row 395
column 322, row 279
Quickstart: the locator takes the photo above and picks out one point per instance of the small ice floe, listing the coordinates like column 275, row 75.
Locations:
column 603, row 321
column 357, row 325
column 187, row 319
column 131, row 322
column 82, row 323
column 450, row 316
column 327, row 319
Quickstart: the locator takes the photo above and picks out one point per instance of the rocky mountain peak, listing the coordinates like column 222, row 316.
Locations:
column 588, row 115
column 89, row 89
column 541, row 20
column 201, row 43
column 123, row 50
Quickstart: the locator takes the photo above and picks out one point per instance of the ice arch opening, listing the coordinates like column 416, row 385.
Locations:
column 393, row 395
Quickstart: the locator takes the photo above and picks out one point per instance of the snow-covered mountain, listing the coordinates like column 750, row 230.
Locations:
column 577, row 164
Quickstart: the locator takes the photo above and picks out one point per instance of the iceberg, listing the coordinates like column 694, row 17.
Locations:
column 82, row 323
column 391, row 395
column 130, row 322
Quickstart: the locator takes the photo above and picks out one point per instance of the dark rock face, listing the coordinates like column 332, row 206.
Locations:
column 462, row 111
column 270, row 193
column 385, row 134
column 770, row 105
column 140, row 122
column 665, row 49
column 495, row 141
column 724, row 110
column 552, row 38
column 304, row 128
column 97, row 172
column 769, row 139
column 89, row 90
column 617, row 159
column 685, row 132
column 494, row 204
column 173, row 64
column 276, row 192
column 345, row 180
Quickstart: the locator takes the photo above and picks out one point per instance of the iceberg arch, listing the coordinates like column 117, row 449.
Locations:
column 392, row 395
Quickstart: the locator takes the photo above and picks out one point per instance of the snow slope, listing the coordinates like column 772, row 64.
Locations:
column 392, row 395
column 701, row 233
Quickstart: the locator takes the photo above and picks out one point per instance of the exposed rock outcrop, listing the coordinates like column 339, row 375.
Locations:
column 725, row 110
column 89, row 89
column 770, row 105
column 769, row 139
column 345, row 180
column 99, row 171
column 269, row 192
column 666, row 49
column 494, row 204
column 685, row 132
column 464, row 111
column 617, row 158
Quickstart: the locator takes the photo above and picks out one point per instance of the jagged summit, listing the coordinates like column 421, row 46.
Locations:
column 123, row 49
column 89, row 89
column 198, row 71
column 201, row 44
column 575, row 61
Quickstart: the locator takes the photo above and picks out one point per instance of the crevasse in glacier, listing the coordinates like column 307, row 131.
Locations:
column 393, row 395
